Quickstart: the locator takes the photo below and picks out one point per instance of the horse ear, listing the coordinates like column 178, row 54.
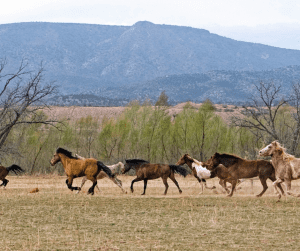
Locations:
column 276, row 144
column 216, row 154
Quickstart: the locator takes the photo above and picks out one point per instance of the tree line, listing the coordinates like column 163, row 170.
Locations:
column 29, row 139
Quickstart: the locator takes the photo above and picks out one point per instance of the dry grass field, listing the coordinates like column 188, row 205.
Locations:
column 57, row 219
column 73, row 113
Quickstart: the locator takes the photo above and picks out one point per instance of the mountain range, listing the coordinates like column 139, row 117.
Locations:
column 139, row 61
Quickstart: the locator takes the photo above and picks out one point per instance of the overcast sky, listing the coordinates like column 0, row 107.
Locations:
column 272, row 22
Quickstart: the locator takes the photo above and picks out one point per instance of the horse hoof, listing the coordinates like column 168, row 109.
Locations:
column 213, row 187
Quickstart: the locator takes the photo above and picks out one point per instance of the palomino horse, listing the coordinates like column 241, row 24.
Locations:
column 199, row 172
column 103, row 175
column 287, row 167
column 146, row 171
column 241, row 168
column 75, row 167
column 5, row 170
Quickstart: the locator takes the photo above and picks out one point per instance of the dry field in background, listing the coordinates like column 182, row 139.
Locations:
column 57, row 219
column 74, row 113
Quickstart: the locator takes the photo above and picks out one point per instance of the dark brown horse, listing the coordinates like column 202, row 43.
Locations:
column 75, row 167
column 5, row 170
column 241, row 168
column 146, row 171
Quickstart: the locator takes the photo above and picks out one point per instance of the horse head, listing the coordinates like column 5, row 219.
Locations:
column 55, row 159
column 125, row 168
column 213, row 162
column 184, row 159
column 133, row 163
column 270, row 149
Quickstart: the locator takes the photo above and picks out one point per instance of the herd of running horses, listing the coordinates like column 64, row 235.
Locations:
column 283, row 168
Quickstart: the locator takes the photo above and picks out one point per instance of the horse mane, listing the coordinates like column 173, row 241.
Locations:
column 230, row 155
column 197, row 161
column 65, row 152
column 136, row 161
column 285, row 156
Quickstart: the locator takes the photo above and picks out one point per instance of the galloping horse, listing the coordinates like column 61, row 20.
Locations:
column 199, row 172
column 287, row 167
column 146, row 171
column 5, row 170
column 103, row 175
column 75, row 167
column 242, row 168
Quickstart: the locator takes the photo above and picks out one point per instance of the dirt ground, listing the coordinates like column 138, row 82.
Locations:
column 56, row 218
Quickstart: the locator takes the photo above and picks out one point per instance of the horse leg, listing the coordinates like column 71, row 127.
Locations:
column 114, row 180
column 135, row 180
column 263, row 180
column 223, row 184
column 172, row 177
column 288, row 184
column 166, row 185
column 145, row 186
column 91, row 190
column 233, row 185
column 275, row 184
column 278, row 185
column 4, row 183
column 69, row 182
column 82, row 183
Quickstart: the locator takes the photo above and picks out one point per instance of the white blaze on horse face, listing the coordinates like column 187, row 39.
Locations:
column 264, row 150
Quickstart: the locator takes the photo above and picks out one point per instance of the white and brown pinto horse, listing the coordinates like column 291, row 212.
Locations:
column 287, row 167
column 199, row 172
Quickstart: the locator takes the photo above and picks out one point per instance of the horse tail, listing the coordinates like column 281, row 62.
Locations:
column 179, row 169
column 15, row 168
column 103, row 167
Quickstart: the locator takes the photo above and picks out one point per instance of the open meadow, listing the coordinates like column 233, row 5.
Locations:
column 57, row 219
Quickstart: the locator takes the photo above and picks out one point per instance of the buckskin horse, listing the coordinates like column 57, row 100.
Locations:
column 241, row 168
column 287, row 167
column 146, row 171
column 5, row 170
column 75, row 167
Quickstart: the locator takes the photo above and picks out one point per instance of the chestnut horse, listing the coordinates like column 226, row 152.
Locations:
column 75, row 167
column 242, row 168
column 287, row 167
column 5, row 170
column 103, row 175
column 146, row 171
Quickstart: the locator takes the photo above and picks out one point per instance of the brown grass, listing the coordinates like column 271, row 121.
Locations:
column 74, row 113
column 58, row 219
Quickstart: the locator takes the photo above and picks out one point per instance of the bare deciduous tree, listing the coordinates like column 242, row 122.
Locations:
column 266, row 115
column 260, row 115
column 22, row 95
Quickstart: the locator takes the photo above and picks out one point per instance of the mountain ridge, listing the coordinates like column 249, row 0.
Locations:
column 84, row 58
